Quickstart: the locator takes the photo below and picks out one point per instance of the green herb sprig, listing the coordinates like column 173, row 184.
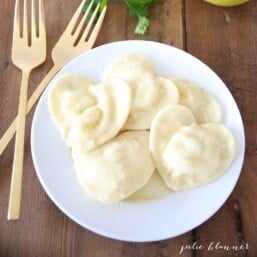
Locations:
column 137, row 9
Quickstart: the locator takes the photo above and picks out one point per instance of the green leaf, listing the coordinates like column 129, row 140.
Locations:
column 137, row 9
column 142, row 25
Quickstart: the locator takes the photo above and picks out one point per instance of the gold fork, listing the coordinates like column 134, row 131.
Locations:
column 64, row 51
column 28, row 52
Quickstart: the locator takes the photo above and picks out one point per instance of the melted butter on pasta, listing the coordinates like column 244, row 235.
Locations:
column 154, row 189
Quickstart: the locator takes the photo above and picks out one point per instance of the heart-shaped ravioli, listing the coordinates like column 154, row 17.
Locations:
column 150, row 93
column 165, row 123
column 130, row 67
column 88, row 115
column 189, row 155
column 113, row 171
column 203, row 105
column 68, row 98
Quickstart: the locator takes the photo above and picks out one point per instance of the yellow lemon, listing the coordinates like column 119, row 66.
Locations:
column 226, row 2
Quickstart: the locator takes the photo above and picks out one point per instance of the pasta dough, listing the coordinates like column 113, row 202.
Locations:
column 150, row 93
column 114, row 170
column 68, row 98
column 203, row 105
column 88, row 115
column 187, row 154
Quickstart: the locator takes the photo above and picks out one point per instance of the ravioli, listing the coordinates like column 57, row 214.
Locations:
column 113, row 171
column 203, row 105
column 89, row 115
column 150, row 93
column 188, row 154
column 68, row 98
column 198, row 154
column 164, row 124
column 130, row 67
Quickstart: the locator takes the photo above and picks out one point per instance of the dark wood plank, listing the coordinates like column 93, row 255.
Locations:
column 166, row 24
column 226, row 39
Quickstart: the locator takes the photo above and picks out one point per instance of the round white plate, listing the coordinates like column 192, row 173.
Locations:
column 160, row 219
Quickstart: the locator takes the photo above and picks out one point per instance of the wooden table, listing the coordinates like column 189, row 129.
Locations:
column 225, row 39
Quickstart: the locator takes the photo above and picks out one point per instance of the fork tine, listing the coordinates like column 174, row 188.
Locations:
column 74, row 18
column 25, row 22
column 16, row 22
column 33, row 21
column 82, row 22
column 90, row 23
column 41, row 26
column 97, row 27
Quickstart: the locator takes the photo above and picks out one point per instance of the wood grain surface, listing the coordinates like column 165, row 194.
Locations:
column 226, row 40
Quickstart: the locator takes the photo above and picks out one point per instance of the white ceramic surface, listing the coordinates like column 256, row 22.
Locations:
column 160, row 219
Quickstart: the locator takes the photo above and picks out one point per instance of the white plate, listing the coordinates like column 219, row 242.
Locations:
column 166, row 217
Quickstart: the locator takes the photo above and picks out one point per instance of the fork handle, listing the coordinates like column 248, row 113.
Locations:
column 17, row 169
column 6, row 138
